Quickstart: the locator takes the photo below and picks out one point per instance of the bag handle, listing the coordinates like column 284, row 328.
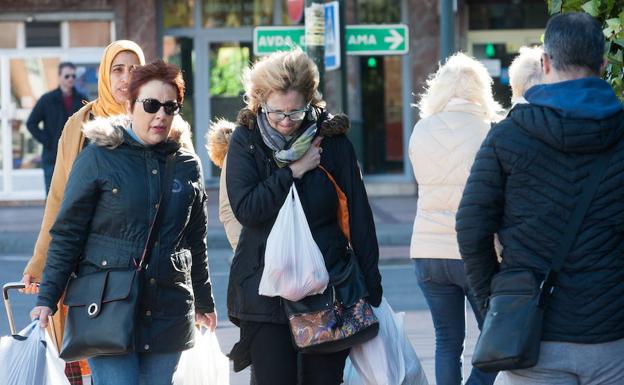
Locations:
column 165, row 191
column 343, row 207
column 578, row 215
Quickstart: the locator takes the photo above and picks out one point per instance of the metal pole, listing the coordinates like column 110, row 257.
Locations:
column 447, row 29
column 343, row 57
column 315, row 36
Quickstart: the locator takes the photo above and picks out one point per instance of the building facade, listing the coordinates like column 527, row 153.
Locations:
column 212, row 41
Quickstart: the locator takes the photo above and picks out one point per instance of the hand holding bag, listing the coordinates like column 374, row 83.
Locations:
column 102, row 306
column 512, row 330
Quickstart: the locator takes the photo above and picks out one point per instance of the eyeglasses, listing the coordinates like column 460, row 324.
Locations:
column 151, row 106
column 73, row 76
column 278, row 116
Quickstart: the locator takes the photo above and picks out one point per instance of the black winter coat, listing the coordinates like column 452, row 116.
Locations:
column 51, row 110
column 257, row 189
column 109, row 203
column 524, row 185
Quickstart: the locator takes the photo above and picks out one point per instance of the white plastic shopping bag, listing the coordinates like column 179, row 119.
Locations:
column 204, row 364
column 414, row 373
column 388, row 359
column 28, row 359
column 293, row 264
column 55, row 366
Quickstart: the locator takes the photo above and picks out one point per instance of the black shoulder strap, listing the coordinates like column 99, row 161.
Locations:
column 578, row 215
column 165, row 192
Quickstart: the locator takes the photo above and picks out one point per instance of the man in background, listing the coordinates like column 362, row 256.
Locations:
column 53, row 109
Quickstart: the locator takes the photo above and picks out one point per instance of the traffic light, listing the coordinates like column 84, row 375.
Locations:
column 490, row 50
column 372, row 62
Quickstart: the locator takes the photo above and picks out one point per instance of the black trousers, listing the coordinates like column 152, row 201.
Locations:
column 276, row 362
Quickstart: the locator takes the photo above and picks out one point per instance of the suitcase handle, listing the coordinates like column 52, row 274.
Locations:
column 7, row 305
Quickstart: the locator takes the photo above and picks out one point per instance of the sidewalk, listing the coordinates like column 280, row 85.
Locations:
column 419, row 330
column 19, row 226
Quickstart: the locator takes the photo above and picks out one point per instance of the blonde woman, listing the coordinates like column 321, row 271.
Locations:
column 525, row 71
column 281, row 138
column 456, row 110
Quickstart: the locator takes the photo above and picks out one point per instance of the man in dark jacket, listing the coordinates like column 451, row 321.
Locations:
column 524, row 185
column 53, row 109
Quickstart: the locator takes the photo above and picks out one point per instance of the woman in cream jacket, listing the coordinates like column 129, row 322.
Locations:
column 456, row 111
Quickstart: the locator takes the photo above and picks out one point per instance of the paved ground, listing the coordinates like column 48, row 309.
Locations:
column 19, row 225
column 400, row 289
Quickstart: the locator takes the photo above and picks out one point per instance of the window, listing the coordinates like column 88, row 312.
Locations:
column 237, row 13
column 89, row 33
column 8, row 35
column 43, row 34
column 378, row 11
column 178, row 13
column 513, row 15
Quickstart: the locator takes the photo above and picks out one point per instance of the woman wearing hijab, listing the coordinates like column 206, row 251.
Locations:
column 118, row 60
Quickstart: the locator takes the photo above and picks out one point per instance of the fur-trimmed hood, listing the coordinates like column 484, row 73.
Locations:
column 220, row 132
column 109, row 132
column 218, row 140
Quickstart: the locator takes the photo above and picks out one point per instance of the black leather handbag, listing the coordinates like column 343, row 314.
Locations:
column 102, row 306
column 512, row 330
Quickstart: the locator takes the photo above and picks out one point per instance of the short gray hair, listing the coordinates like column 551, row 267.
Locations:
column 574, row 41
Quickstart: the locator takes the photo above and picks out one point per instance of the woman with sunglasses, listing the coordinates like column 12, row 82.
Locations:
column 118, row 60
column 112, row 195
column 281, row 138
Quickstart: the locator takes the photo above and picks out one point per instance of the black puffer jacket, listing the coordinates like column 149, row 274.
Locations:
column 257, row 189
column 524, row 185
column 110, row 201
column 51, row 111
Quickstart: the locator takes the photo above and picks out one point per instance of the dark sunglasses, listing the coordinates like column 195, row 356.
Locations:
column 151, row 106
column 73, row 76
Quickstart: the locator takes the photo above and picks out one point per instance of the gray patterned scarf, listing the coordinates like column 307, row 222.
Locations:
column 286, row 151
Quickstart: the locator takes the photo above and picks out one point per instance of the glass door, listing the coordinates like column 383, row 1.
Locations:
column 227, row 60
column 23, row 80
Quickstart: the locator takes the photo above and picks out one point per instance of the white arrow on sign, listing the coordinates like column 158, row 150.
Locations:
column 395, row 40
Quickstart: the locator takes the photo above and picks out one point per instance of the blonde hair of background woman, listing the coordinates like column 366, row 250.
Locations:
column 460, row 77
column 525, row 70
column 282, row 71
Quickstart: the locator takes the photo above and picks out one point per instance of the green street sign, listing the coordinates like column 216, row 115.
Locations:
column 377, row 39
column 374, row 39
column 267, row 40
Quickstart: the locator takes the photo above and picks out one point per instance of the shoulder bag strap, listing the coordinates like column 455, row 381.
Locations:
column 343, row 207
column 578, row 215
column 165, row 191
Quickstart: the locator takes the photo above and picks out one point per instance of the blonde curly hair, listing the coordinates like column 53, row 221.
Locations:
column 280, row 72
column 460, row 77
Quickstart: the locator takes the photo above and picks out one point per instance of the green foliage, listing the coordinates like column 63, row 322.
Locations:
column 226, row 68
column 611, row 14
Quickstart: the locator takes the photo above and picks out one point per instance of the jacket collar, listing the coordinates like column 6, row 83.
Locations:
column 111, row 133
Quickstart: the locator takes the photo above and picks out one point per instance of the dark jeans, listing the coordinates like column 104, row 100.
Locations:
column 134, row 369
column 276, row 362
column 443, row 282
column 48, row 170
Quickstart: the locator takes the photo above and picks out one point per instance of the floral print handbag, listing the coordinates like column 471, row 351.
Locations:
column 339, row 318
